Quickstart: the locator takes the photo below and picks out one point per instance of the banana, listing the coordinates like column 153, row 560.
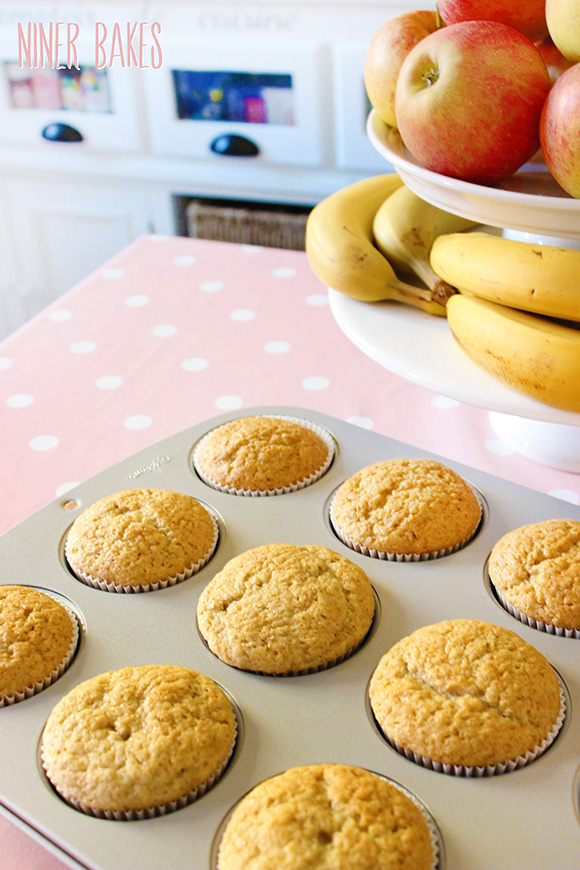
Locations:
column 542, row 279
column 341, row 252
column 534, row 355
column 405, row 227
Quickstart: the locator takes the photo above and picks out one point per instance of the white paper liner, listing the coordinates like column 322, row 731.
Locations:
column 257, row 493
column 403, row 557
column 57, row 672
column 475, row 771
column 538, row 624
column 109, row 586
column 154, row 811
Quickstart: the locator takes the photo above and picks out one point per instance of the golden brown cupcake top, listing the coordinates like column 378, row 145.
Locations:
column 138, row 737
column 260, row 453
column 406, row 506
column 140, row 536
column 537, row 569
column 326, row 816
column 282, row 608
column 36, row 634
column 465, row 692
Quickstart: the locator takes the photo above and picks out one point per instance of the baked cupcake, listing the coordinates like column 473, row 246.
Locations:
column 38, row 639
column 286, row 609
column 138, row 742
column 535, row 571
column 466, row 697
column 263, row 455
column 140, row 540
column 405, row 510
column 327, row 816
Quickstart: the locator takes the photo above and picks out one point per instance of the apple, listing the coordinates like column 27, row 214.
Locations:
column 553, row 58
column 469, row 98
column 387, row 51
column 529, row 16
column 560, row 130
column 563, row 19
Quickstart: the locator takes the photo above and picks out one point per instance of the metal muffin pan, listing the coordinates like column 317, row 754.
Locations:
column 529, row 817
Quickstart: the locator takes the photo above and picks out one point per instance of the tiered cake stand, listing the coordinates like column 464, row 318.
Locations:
column 419, row 347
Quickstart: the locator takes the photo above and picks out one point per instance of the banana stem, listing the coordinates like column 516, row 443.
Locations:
column 419, row 297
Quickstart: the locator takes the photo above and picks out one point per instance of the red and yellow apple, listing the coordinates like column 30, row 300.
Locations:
column 529, row 16
column 469, row 98
column 389, row 47
column 563, row 20
column 553, row 58
column 560, row 130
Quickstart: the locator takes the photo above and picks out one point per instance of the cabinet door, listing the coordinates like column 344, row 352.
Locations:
column 64, row 230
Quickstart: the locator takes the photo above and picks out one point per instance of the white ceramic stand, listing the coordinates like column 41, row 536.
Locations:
column 554, row 444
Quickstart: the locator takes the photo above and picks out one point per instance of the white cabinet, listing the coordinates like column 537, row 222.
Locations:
column 63, row 230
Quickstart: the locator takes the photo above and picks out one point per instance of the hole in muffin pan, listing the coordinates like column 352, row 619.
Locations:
column 576, row 794
column 76, row 614
column 221, row 532
column 233, row 759
column 521, row 618
column 308, row 671
column 465, row 771
column 437, row 840
column 401, row 558
column 327, row 435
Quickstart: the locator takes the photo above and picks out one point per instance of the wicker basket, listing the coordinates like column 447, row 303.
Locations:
column 269, row 227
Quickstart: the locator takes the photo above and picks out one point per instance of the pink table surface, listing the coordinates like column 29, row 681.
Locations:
column 173, row 331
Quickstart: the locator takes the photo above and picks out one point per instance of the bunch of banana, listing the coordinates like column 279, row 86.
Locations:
column 543, row 279
column 405, row 228
column 535, row 355
column 341, row 250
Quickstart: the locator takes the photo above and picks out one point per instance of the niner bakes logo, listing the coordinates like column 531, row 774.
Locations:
column 55, row 45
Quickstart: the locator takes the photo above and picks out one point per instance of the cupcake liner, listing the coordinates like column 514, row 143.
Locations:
column 474, row 771
column 154, row 811
column 257, row 493
column 315, row 669
column 384, row 555
column 538, row 624
column 57, row 672
column 109, row 586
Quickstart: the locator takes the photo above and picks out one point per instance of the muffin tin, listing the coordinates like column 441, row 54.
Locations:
column 527, row 817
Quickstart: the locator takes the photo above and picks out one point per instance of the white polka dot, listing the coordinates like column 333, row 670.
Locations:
column 499, row 448
column 43, row 442
column 60, row 315
column 83, row 346
column 277, row 347
column 566, row 495
column 19, row 400
column 137, row 301
column 211, row 286
column 444, row 402
column 164, row 330
column 138, row 421
column 363, row 422
column 247, row 247
column 5, row 363
column 242, row 314
column 65, row 487
column 184, row 260
column 229, row 403
column 112, row 274
column 195, row 364
column 315, row 383
column 108, row 382
column 284, row 272
column 157, row 237
column 317, row 300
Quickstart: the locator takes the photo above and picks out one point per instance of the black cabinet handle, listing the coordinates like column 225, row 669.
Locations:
column 58, row 132
column 230, row 145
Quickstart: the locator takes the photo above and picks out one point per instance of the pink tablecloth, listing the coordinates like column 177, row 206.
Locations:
column 173, row 331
